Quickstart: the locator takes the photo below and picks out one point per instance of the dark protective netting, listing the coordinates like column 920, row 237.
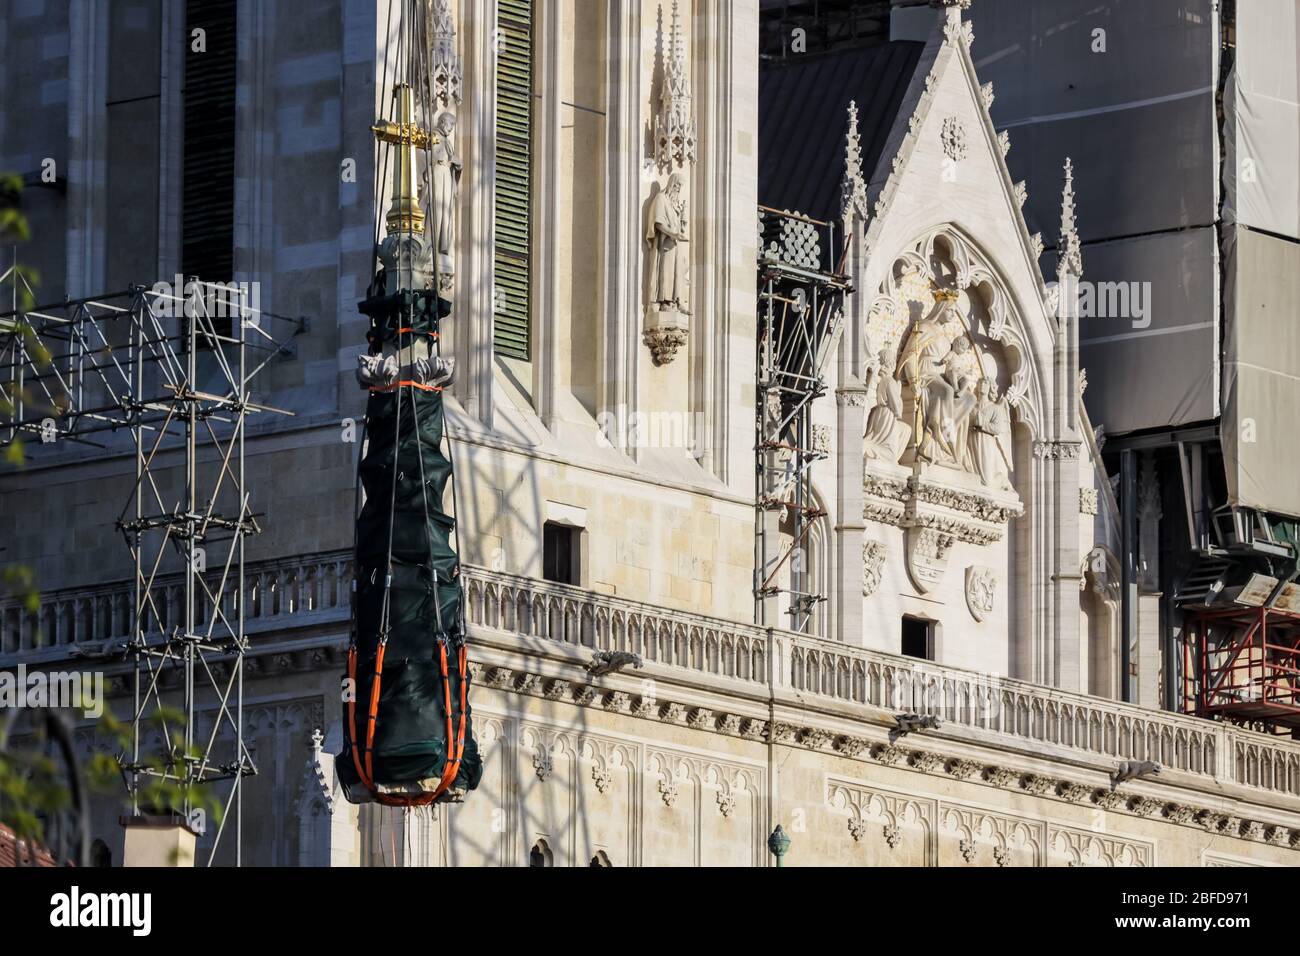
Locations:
column 407, row 581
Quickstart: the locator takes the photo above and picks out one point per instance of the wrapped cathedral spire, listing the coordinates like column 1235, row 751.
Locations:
column 408, row 740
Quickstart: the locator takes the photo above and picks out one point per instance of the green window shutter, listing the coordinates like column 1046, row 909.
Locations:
column 514, row 131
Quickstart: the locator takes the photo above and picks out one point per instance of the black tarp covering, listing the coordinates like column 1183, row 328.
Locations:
column 403, row 527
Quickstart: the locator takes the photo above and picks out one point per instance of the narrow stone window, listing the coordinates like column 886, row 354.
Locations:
column 561, row 553
column 918, row 638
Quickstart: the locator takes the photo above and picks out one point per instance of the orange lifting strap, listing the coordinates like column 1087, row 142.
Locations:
column 455, row 751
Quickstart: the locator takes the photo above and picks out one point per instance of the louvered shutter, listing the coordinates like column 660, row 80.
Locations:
column 514, row 131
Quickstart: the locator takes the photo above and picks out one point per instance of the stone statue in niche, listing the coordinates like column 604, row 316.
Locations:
column 444, row 173
column 669, row 253
column 942, row 401
column 886, row 433
column 990, row 439
column 667, row 318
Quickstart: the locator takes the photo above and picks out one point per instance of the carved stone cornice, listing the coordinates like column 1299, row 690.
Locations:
column 1001, row 777
column 851, row 397
column 962, row 769
column 1072, row 791
column 1036, row 784
column 1143, row 806
column 970, row 514
column 850, row 746
column 814, row 737
column 1107, row 799
column 888, row 754
column 1057, row 450
column 617, row 701
column 700, row 718
column 672, row 713
column 926, row 761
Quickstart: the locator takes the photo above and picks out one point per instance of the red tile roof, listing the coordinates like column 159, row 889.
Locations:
column 16, row 852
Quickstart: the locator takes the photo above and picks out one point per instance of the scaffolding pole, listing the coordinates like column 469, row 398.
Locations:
column 173, row 370
column 801, row 289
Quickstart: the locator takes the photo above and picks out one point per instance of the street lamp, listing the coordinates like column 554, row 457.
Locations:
column 778, row 843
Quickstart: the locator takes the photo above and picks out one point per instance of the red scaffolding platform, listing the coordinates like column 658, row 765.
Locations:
column 1243, row 664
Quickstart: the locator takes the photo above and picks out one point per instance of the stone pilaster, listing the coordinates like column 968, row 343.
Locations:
column 471, row 331
column 850, row 421
column 621, row 337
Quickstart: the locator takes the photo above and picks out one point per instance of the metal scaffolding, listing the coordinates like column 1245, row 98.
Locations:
column 173, row 369
column 801, row 289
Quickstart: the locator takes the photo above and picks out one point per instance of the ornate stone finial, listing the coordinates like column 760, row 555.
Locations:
column 675, row 125
column 853, row 188
column 954, row 29
column 444, row 61
column 1070, row 258
column 317, row 743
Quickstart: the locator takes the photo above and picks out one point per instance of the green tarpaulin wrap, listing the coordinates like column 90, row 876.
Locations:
column 407, row 578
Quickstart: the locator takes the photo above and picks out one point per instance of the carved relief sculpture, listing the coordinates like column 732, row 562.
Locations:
column 981, row 590
column 937, row 443
column 941, row 395
column 873, row 561
column 886, row 433
column 990, row 439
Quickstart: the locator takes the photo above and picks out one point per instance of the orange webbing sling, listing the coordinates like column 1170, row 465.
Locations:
column 455, row 750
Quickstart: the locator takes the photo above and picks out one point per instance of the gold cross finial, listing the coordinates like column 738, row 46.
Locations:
column 405, row 214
